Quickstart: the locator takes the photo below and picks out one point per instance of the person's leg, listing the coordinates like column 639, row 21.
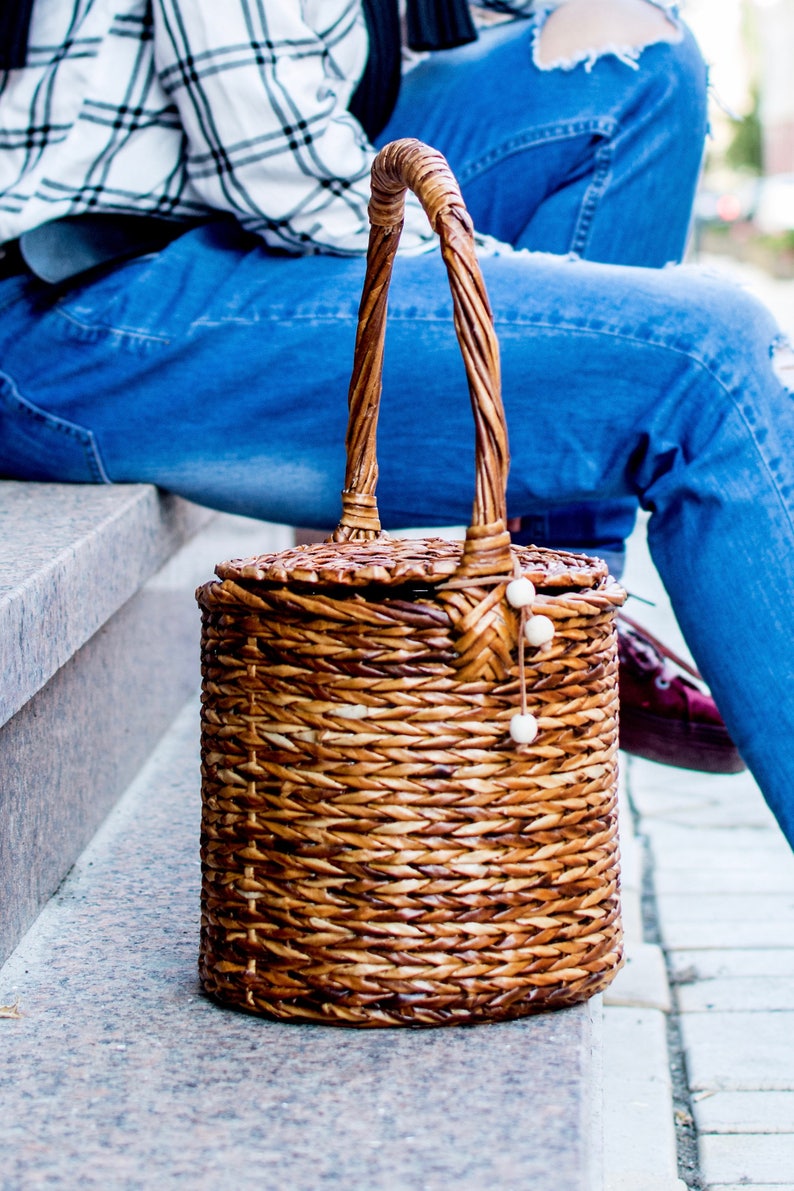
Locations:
column 584, row 132
column 600, row 159
column 221, row 374
column 581, row 131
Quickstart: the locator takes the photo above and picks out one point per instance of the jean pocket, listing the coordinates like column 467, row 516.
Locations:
column 36, row 445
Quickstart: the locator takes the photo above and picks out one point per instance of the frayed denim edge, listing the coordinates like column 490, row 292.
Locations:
column 627, row 54
column 781, row 353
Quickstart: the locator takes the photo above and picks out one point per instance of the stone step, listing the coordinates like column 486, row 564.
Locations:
column 128, row 1072
column 98, row 639
column 115, row 1071
column 118, row 1071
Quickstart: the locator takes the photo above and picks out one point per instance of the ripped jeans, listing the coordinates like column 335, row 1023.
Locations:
column 219, row 370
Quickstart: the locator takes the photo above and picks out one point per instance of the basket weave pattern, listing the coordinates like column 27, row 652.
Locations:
column 376, row 848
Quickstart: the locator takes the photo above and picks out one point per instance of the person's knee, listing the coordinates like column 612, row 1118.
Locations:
column 584, row 30
column 732, row 332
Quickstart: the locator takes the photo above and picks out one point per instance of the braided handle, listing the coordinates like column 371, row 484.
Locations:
column 402, row 165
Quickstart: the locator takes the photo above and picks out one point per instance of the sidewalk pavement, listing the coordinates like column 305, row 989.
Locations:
column 699, row 1027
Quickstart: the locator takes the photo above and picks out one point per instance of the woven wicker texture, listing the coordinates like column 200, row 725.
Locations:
column 377, row 850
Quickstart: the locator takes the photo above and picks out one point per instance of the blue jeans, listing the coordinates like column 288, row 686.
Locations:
column 220, row 371
column 599, row 164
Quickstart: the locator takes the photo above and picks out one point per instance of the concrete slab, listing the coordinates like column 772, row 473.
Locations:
column 630, row 859
column 722, row 933
column 719, row 850
column 701, row 800
column 750, row 1159
column 738, row 994
column 744, row 1112
column 774, row 876
column 752, row 814
column 753, row 1186
column 642, row 981
column 687, row 966
column 639, row 1134
column 118, row 1065
column 733, row 907
column 739, row 1051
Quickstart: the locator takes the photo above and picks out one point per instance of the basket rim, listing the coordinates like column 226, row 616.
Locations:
column 394, row 562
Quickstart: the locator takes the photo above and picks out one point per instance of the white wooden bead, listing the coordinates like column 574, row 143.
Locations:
column 523, row 728
column 520, row 593
column 538, row 630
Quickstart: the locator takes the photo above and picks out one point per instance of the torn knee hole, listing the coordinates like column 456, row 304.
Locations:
column 585, row 30
column 782, row 356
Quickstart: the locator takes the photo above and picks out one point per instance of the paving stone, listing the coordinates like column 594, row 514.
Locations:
column 731, row 801
column 718, row 850
column 725, row 934
column 743, row 993
column 774, row 876
column 631, row 1180
column 639, row 1135
column 739, row 1051
column 749, row 1159
column 631, row 864
column 631, row 916
column 753, row 1186
column 737, row 812
column 690, row 965
column 733, row 907
column 744, row 1112
column 642, row 981
column 659, row 787
column 726, row 920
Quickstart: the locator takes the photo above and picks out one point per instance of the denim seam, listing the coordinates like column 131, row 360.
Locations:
column 537, row 136
column 592, row 197
column 92, row 329
column 81, row 434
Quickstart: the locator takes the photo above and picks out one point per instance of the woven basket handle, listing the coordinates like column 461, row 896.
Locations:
column 402, row 165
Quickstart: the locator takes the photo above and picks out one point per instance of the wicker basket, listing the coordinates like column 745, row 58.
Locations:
column 377, row 847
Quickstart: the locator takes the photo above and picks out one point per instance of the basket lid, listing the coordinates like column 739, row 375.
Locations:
column 395, row 561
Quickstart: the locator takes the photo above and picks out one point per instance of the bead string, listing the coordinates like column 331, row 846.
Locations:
column 523, row 618
column 520, row 594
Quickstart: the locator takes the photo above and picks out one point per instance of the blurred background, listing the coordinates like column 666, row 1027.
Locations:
column 745, row 206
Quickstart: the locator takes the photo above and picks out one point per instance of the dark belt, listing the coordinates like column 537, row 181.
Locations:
column 69, row 248
column 11, row 262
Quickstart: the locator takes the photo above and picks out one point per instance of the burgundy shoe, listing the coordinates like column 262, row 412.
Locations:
column 663, row 716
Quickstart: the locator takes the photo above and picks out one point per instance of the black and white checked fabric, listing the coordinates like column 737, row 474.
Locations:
column 174, row 107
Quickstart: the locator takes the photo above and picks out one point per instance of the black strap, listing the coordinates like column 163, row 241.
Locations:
column 439, row 24
column 432, row 25
column 77, row 244
column 376, row 94
column 14, row 27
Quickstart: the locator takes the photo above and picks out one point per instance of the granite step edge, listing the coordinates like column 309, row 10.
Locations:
column 70, row 557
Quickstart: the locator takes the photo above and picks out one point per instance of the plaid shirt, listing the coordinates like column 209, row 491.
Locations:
column 176, row 108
